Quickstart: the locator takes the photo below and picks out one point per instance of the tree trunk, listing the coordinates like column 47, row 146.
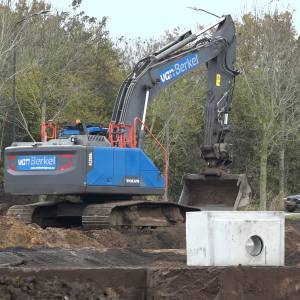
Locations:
column 263, row 173
column 282, row 157
column 282, row 171
column 3, row 123
column 168, row 149
column 152, row 123
column 43, row 101
column 43, row 106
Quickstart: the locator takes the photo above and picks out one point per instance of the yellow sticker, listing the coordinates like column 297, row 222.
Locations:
column 218, row 79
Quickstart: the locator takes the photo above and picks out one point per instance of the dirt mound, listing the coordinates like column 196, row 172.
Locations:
column 14, row 233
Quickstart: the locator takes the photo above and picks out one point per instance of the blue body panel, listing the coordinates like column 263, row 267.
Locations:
column 66, row 132
column 96, row 129
column 72, row 130
column 121, row 167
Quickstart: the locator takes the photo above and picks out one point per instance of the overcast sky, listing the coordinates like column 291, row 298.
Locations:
column 134, row 18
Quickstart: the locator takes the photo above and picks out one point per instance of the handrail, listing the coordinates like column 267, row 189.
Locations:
column 53, row 131
column 117, row 135
column 160, row 145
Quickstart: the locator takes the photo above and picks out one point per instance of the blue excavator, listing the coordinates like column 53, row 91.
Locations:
column 108, row 168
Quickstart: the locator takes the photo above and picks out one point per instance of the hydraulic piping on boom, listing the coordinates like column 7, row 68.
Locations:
column 187, row 52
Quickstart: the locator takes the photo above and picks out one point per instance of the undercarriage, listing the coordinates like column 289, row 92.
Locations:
column 98, row 216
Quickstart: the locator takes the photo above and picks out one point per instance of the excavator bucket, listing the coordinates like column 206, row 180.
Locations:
column 215, row 190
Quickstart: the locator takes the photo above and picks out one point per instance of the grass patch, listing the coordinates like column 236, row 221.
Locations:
column 293, row 217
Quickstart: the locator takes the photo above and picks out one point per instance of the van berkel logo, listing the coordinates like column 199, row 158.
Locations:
column 36, row 162
column 179, row 68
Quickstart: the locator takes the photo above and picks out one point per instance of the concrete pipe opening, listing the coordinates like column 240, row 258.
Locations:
column 254, row 245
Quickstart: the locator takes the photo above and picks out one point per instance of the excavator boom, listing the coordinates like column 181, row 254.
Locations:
column 213, row 188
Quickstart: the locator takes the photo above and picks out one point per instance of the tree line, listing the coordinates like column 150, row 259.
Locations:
column 65, row 65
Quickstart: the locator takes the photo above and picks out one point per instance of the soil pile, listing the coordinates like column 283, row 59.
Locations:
column 14, row 233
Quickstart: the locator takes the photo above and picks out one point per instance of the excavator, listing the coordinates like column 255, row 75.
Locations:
column 111, row 172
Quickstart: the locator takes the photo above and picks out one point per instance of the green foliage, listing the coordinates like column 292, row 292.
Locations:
column 266, row 110
column 67, row 68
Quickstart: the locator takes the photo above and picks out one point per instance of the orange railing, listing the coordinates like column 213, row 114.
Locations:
column 48, row 126
column 120, row 135
column 158, row 143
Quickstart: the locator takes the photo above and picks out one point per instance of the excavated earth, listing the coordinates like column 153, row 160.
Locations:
column 56, row 263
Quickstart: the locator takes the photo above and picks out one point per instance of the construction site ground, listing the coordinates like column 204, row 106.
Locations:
column 55, row 263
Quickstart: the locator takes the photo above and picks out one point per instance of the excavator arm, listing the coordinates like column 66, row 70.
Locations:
column 179, row 58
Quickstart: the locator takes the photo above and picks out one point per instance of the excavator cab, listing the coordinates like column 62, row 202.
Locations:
column 215, row 190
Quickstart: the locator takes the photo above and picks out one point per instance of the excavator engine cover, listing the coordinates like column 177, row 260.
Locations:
column 215, row 190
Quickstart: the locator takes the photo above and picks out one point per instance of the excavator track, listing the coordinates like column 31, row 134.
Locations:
column 22, row 212
column 128, row 214
column 97, row 216
column 47, row 213
column 133, row 214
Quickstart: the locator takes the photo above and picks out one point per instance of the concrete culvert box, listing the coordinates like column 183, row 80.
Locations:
column 223, row 238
